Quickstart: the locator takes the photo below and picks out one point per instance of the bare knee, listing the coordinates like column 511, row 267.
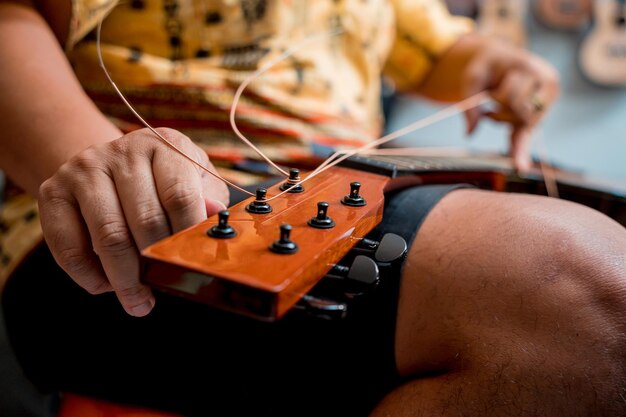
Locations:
column 534, row 283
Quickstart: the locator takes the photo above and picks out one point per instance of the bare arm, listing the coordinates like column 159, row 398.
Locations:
column 102, row 196
column 45, row 117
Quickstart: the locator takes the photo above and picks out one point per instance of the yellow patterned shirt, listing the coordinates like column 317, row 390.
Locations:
column 180, row 61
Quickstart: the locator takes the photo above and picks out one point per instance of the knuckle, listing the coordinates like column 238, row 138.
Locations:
column 150, row 218
column 119, row 147
column 174, row 136
column 180, row 196
column 73, row 260
column 113, row 237
column 87, row 160
column 48, row 190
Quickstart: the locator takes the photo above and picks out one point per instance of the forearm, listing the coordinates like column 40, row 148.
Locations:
column 45, row 116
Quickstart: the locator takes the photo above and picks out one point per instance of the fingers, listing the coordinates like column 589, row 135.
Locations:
column 109, row 202
column 525, row 87
column 139, row 198
column 68, row 239
column 214, row 191
column 515, row 94
column 188, row 193
column 520, row 147
column 85, row 229
column 113, row 242
column 179, row 189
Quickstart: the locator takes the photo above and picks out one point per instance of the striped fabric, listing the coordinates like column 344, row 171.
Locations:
column 180, row 61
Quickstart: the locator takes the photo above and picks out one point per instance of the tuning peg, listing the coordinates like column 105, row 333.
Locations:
column 259, row 206
column 284, row 245
column 222, row 230
column 290, row 183
column 322, row 308
column 354, row 199
column 359, row 277
column 390, row 248
column 321, row 221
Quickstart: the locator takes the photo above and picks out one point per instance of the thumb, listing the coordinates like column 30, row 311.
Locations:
column 214, row 191
column 213, row 206
column 215, row 194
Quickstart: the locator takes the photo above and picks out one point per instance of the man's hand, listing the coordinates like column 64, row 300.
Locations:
column 112, row 200
column 523, row 84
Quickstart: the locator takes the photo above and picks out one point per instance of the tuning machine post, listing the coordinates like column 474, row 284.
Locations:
column 259, row 205
column 354, row 199
column 291, row 184
column 222, row 230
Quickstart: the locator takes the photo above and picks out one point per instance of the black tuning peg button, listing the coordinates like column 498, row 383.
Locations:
column 321, row 221
column 222, row 230
column 259, row 206
column 359, row 277
column 292, row 182
column 390, row 248
column 284, row 245
column 354, row 199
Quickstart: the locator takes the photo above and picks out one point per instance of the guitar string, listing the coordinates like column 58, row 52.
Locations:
column 464, row 105
column 146, row 124
column 445, row 113
column 286, row 54
column 459, row 107
column 547, row 171
column 545, row 167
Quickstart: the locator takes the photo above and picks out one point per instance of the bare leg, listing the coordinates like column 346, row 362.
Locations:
column 512, row 305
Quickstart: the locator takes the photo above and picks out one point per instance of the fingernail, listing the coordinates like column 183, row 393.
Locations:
column 213, row 206
column 142, row 309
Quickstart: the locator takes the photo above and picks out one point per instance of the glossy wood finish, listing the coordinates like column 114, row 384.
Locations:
column 241, row 274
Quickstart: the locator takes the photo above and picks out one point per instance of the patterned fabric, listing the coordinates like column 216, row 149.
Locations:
column 180, row 61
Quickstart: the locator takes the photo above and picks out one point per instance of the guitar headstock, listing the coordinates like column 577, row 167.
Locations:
column 244, row 273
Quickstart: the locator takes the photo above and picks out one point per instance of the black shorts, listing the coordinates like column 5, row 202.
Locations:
column 194, row 360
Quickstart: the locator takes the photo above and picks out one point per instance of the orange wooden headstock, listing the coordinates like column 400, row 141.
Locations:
column 242, row 274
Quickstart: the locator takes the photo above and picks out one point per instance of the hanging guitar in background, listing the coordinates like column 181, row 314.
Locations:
column 563, row 14
column 505, row 20
column 602, row 55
